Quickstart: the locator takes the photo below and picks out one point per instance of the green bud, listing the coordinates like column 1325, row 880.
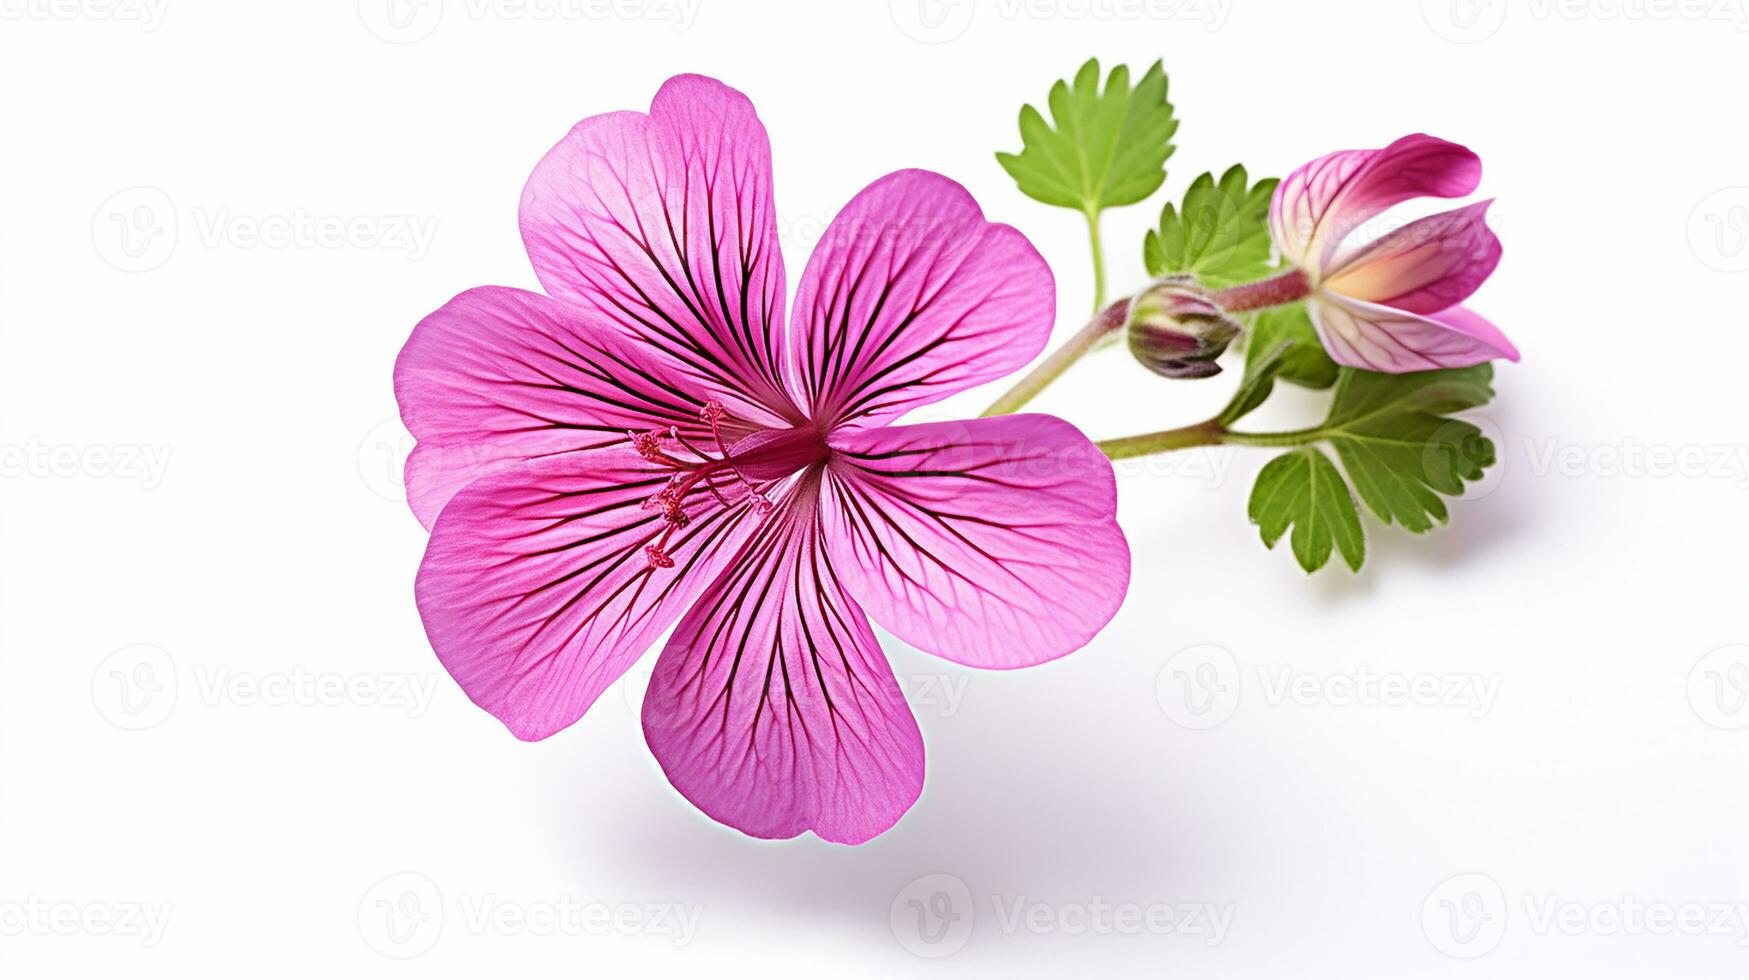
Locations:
column 1175, row 330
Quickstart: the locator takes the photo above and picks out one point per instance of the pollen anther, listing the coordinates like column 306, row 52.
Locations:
column 695, row 469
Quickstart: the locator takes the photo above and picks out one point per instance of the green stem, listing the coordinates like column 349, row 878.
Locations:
column 1098, row 261
column 1208, row 433
column 1278, row 290
column 1298, row 437
column 1105, row 322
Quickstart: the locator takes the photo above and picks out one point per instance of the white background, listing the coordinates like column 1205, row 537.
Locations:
column 1587, row 586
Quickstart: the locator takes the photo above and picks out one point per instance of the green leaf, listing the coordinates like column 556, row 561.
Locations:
column 1220, row 234
column 1302, row 489
column 1363, row 395
column 1279, row 344
column 1402, row 452
column 1399, row 448
column 1305, row 362
column 1106, row 148
column 1261, row 370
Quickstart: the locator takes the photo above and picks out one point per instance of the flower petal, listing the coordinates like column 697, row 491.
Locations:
column 912, row 296
column 772, row 708
column 535, row 589
column 1378, row 338
column 991, row 542
column 498, row 376
column 663, row 224
column 1425, row 266
column 1324, row 201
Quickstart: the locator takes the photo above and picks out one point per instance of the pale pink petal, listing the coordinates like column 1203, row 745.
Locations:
column 663, row 224
column 1323, row 202
column 772, row 708
column 991, row 542
column 912, row 296
column 1425, row 266
column 1378, row 338
column 498, row 376
column 536, row 591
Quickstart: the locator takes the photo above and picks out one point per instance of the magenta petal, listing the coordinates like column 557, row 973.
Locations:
column 535, row 589
column 912, row 296
column 663, row 224
column 1323, row 202
column 1425, row 266
column 772, row 708
column 1378, row 338
column 498, row 376
column 991, row 543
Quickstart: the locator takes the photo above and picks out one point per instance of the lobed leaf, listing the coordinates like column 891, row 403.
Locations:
column 1305, row 362
column 1302, row 489
column 1400, row 449
column 1220, row 233
column 1102, row 148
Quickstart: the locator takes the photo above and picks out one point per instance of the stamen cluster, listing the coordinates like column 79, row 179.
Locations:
column 668, row 448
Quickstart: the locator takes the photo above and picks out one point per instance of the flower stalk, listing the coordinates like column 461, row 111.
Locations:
column 1104, row 323
column 1098, row 261
column 1289, row 287
column 1210, row 433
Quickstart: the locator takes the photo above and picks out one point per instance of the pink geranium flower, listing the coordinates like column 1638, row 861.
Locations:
column 653, row 441
column 1392, row 304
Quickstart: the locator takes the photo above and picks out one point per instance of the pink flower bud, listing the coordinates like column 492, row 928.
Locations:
column 1175, row 330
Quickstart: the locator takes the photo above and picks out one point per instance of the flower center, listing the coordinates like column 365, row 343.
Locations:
column 735, row 474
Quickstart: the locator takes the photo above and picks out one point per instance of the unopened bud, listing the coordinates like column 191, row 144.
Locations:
column 1175, row 330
